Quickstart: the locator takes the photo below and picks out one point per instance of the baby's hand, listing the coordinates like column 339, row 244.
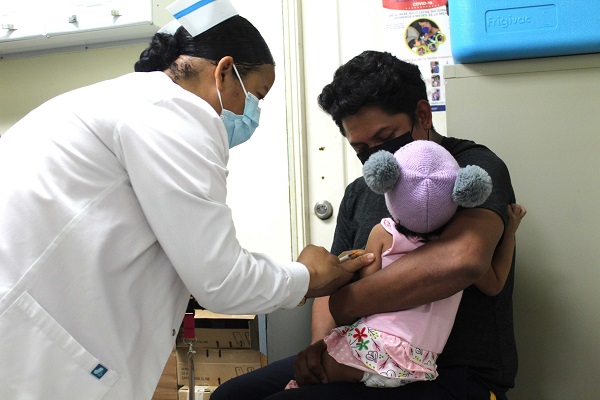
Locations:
column 516, row 212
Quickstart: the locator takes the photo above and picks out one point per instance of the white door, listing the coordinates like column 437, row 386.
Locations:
column 333, row 32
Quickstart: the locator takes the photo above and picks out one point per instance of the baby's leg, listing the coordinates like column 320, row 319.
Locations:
column 337, row 372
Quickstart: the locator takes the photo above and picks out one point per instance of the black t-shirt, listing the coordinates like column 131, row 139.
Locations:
column 482, row 338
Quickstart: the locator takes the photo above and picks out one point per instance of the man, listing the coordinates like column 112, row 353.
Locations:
column 380, row 102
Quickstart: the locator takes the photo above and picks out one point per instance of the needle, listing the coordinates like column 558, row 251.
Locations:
column 349, row 256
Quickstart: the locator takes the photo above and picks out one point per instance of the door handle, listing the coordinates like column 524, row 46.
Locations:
column 323, row 209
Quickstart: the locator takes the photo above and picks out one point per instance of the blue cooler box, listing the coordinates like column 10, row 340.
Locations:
column 491, row 30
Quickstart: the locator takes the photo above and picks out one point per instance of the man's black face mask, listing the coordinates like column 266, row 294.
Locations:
column 391, row 145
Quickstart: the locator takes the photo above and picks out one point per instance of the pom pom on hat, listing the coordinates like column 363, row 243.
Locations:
column 473, row 186
column 381, row 172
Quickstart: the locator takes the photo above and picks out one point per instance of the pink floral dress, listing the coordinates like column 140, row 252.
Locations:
column 400, row 345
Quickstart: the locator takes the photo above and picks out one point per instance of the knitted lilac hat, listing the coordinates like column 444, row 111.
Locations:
column 424, row 185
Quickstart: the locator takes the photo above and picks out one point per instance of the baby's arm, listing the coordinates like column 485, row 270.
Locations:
column 492, row 282
column 379, row 240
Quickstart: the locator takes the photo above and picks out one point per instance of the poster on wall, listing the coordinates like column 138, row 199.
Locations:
column 419, row 32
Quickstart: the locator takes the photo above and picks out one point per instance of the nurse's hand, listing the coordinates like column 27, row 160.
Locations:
column 327, row 273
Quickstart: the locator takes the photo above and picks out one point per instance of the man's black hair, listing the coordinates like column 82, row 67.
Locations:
column 373, row 78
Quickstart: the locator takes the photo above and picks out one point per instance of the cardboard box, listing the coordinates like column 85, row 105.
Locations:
column 200, row 392
column 167, row 385
column 490, row 30
column 221, row 330
column 215, row 366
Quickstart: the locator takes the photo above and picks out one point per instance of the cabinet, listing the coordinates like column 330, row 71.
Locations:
column 42, row 25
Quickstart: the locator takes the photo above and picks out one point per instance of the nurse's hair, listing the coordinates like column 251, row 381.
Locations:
column 373, row 78
column 235, row 37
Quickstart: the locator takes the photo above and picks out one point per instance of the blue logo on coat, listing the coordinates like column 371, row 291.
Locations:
column 99, row 371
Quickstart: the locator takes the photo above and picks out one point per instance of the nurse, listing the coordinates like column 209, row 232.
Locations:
column 112, row 211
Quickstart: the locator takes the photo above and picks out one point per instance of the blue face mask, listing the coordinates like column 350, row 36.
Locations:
column 240, row 127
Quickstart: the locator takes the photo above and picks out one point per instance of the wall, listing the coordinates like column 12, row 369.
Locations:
column 28, row 82
column 540, row 117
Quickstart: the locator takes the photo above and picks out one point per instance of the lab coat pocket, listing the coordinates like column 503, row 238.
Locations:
column 39, row 359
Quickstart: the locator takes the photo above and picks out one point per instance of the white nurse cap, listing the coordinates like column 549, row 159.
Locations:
column 197, row 16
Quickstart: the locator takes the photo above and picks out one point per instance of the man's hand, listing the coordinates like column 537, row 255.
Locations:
column 326, row 272
column 308, row 368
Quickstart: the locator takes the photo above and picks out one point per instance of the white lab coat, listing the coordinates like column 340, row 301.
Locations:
column 112, row 211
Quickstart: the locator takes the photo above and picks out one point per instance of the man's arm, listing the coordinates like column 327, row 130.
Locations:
column 432, row 272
